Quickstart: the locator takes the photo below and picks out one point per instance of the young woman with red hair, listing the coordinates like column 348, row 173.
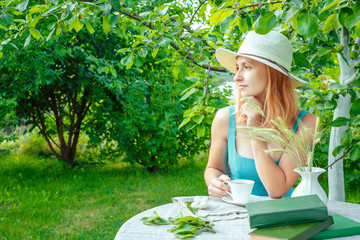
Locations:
column 261, row 68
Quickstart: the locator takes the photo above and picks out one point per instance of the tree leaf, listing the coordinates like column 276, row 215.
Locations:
column 329, row 4
column 331, row 23
column 3, row 27
column 143, row 53
column 200, row 130
column 22, row 6
column 35, row 20
column 106, row 24
column 163, row 11
column 50, row 34
column 198, row 118
column 58, row 30
column 307, row 25
column 89, row 27
column 338, row 150
column 339, row 122
column 346, row 138
column 126, row 60
column 77, row 25
column 265, row 23
column 220, row 15
column 165, row 42
column 355, row 153
column 184, row 122
column 344, row 14
column 225, row 23
column 352, row 21
column 357, row 29
column 243, row 25
column 154, row 53
column 189, row 93
column 210, row 109
column 301, row 61
column 138, row 61
column 27, row 40
column 176, row 70
column 55, row 2
column 35, row 33
column 7, row 19
column 355, row 108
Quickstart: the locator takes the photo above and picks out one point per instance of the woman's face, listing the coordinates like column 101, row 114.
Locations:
column 251, row 77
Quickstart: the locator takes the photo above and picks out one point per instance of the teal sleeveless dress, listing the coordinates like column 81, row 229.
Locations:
column 244, row 168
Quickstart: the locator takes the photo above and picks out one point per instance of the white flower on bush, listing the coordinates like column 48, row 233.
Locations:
column 200, row 202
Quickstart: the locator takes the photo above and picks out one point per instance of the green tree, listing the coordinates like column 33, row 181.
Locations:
column 132, row 86
column 325, row 34
column 53, row 85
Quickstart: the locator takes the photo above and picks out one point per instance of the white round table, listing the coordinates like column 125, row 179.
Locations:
column 225, row 230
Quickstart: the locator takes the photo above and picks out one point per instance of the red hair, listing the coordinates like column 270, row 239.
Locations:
column 280, row 99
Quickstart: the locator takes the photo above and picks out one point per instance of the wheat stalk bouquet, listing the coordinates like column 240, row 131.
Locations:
column 297, row 147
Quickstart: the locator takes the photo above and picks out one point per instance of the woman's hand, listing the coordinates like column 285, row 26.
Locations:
column 254, row 118
column 218, row 187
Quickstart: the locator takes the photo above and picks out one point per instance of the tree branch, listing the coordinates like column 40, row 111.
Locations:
column 192, row 17
column 177, row 48
column 259, row 5
column 329, row 166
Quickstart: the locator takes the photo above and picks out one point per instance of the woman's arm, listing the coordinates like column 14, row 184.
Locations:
column 278, row 179
column 215, row 172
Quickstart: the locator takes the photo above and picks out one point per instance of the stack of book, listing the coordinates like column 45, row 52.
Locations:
column 297, row 218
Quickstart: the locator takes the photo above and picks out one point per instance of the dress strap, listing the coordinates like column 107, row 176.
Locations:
column 298, row 120
column 232, row 115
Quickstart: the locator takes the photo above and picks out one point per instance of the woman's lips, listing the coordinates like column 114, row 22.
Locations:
column 242, row 86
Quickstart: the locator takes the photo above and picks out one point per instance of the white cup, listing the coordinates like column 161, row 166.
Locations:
column 240, row 190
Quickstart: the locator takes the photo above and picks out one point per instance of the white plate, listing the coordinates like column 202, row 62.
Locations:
column 253, row 198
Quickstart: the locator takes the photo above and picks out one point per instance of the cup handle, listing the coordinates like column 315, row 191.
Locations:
column 227, row 183
column 228, row 193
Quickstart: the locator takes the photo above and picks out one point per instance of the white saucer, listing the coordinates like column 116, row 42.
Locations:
column 253, row 198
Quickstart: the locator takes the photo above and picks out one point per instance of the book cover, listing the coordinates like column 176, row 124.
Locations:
column 286, row 211
column 342, row 227
column 298, row 231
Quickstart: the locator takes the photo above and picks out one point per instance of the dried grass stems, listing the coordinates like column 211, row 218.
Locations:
column 298, row 147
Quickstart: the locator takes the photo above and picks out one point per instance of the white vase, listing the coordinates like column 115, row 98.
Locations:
column 309, row 183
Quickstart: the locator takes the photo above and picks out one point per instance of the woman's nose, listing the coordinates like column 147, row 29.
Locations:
column 238, row 76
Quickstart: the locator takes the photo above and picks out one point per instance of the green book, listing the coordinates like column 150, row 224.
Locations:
column 298, row 231
column 285, row 211
column 342, row 227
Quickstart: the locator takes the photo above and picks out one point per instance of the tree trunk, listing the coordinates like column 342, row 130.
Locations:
column 336, row 172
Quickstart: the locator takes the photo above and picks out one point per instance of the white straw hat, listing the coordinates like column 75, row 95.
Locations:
column 272, row 49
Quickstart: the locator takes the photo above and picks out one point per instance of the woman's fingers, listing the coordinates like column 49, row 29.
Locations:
column 253, row 117
column 218, row 186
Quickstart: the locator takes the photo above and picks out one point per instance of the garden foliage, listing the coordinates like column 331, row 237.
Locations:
column 164, row 62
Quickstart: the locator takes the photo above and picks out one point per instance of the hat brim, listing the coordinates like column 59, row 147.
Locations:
column 227, row 59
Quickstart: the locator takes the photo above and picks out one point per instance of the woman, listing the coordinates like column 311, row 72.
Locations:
column 261, row 68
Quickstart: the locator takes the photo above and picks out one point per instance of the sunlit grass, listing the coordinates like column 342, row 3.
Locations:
column 41, row 200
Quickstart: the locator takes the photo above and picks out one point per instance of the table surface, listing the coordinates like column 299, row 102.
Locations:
column 225, row 230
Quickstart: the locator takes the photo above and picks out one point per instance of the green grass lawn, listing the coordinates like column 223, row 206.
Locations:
column 41, row 200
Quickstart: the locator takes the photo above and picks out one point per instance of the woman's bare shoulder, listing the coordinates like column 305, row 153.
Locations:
column 220, row 125
column 309, row 120
column 222, row 115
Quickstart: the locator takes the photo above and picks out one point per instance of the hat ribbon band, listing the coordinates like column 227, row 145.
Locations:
column 269, row 60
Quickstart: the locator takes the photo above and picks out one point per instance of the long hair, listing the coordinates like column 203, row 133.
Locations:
column 280, row 99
